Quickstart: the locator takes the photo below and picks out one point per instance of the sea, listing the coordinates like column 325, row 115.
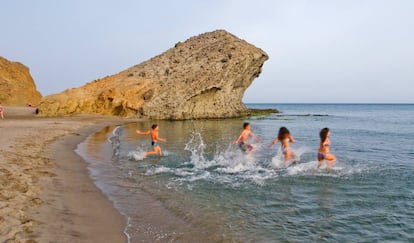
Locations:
column 205, row 189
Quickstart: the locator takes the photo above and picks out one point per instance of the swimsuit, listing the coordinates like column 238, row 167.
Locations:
column 154, row 143
column 284, row 149
column 321, row 156
column 245, row 147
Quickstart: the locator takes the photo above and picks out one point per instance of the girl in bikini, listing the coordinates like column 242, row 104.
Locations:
column 323, row 153
column 285, row 139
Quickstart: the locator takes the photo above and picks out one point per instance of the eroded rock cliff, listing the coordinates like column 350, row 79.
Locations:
column 17, row 86
column 203, row 77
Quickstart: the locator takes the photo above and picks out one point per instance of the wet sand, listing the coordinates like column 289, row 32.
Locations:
column 46, row 194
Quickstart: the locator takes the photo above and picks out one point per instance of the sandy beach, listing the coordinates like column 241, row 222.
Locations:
column 46, row 194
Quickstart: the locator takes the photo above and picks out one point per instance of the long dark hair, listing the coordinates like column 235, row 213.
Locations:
column 324, row 134
column 283, row 133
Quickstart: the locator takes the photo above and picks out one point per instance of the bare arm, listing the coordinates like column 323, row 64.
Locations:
column 292, row 139
column 143, row 133
column 238, row 138
column 274, row 142
column 256, row 138
column 156, row 138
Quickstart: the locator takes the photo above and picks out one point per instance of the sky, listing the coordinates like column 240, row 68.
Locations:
column 321, row 51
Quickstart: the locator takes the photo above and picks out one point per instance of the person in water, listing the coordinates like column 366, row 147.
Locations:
column 323, row 153
column 285, row 139
column 242, row 139
column 154, row 140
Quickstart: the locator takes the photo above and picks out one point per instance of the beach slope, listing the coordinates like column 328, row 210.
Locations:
column 46, row 194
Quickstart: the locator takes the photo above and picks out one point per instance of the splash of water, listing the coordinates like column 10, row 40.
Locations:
column 230, row 166
column 196, row 147
column 278, row 161
column 115, row 141
column 137, row 154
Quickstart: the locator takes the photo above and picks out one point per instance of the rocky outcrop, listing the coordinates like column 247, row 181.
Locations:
column 17, row 86
column 203, row 77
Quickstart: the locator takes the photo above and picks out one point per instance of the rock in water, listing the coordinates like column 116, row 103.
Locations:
column 17, row 86
column 203, row 77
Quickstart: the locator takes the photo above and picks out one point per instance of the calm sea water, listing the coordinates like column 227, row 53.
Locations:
column 206, row 190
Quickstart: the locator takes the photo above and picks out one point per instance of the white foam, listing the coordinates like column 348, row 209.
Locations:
column 229, row 166
column 158, row 170
column 303, row 168
column 137, row 154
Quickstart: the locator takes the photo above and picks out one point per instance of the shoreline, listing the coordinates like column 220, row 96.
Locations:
column 79, row 202
column 46, row 192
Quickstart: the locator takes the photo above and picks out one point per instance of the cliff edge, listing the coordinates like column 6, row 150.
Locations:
column 203, row 77
column 17, row 86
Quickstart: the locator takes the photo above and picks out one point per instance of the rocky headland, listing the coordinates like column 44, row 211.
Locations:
column 204, row 77
column 17, row 86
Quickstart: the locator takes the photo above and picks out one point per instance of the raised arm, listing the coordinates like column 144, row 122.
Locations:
column 143, row 133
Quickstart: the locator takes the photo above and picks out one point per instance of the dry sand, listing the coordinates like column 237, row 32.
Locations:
column 46, row 194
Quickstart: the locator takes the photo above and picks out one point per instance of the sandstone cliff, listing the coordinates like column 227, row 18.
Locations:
column 203, row 77
column 16, row 84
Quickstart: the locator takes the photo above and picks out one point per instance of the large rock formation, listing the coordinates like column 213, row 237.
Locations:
column 16, row 84
column 203, row 77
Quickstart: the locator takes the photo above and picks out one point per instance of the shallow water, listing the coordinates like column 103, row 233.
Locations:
column 206, row 189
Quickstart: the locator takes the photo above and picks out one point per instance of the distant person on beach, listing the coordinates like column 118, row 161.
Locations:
column 323, row 153
column 285, row 139
column 154, row 140
column 1, row 112
column 242, row 139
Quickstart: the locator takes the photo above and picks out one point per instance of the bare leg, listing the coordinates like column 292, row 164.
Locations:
column 288, row 156
column 251, row 151
column 320, row 162
column 157, row 150
column 331, row 160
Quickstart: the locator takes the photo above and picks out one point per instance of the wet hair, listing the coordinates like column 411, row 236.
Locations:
column 154, row 126
column 283, row 133
column 245, row 125
column 324, row 134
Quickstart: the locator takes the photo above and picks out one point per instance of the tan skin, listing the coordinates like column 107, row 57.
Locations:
column 324, row 148
column 154, row 138
column 286, row 145
column 245, row 134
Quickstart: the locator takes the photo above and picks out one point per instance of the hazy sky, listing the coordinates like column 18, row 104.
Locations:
column 320, row 51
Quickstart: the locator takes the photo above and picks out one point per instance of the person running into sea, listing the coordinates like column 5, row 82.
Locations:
column 242, row 139
column 154, row 140
column 324, row 151
column 285, row 139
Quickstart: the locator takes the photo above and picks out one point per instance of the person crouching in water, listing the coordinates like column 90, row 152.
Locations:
column 323, row 153
column 242, row 139
column 285, row 139
column 154, row 140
